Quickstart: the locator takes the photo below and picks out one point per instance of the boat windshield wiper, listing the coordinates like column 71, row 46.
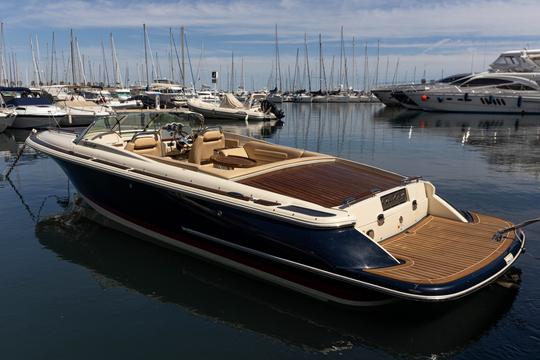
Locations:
column 499, row 234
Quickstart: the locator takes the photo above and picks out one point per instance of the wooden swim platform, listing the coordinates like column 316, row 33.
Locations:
column 438, row 250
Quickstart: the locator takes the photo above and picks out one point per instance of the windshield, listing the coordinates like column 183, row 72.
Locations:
column 126, row 125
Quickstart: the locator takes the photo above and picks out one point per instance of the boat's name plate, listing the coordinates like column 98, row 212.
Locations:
column 393, row 199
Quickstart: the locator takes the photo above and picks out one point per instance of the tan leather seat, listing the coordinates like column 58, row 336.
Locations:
column 267, row 153
column 145, row 145
column 204, row 145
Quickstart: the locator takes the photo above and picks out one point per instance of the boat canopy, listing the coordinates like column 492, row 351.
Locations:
column 231, row 102
column 27, row 101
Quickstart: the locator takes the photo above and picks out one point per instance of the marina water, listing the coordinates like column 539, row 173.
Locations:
column 72, row 288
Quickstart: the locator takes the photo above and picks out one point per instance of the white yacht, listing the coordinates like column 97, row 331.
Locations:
column 33, row 109
column 483, row 93
column 208, row 96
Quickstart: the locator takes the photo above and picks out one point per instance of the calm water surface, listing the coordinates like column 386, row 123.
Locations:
column 73, row 289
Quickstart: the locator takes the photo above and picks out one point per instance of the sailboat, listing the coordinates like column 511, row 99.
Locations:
column 275, row 95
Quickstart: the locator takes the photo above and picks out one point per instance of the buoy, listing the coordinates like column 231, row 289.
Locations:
column 424, row 97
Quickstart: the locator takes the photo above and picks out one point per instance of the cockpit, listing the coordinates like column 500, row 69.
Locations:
column 181, row 139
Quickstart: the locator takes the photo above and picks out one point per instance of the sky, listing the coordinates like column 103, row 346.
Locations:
column 432, row 37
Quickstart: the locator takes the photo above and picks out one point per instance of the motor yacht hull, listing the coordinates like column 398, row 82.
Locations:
column 476, row 102
column 38, row 121
column 257, row 244
column 385, row 96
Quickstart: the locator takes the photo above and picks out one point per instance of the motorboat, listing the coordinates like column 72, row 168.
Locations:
column 170, row 92
column 232, row 109
column 207, row 96
column 122, row 94
column 33, row 110
column 121, row 99
column 7, row 117
column 509, row 93
column 275, row 97
column 82, row 112
column 331, row 228
column 392, row 95
column 302, row 97
column 117, row 104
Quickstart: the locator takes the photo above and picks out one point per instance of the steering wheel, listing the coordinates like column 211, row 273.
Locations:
column 181, row 137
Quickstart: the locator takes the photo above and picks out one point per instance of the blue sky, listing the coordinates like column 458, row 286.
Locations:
column 433, row 35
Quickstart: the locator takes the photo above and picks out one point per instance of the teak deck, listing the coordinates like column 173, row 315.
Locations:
column 327, row 184
column 439, row 250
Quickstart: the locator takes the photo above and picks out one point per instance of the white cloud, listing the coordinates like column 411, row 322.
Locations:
column 430, row 34
column 242, row 17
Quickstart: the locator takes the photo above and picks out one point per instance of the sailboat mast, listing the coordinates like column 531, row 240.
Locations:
column 366, row 69
column 296, row 70
column 72, row 48
column 353, row 65
column 386, row 72
column 278, row 65
column 146, row 58
column 182, row 40
column 105, row 64
column 116, row 66
column 377, row 67
column 341, row 60
column 36, row 72
column 81, row 62
column 53, row 59
column 242, row 79
column 232, row 72
column 171, row 64
column 37, row 59
column 307, row 61
column 320, row 62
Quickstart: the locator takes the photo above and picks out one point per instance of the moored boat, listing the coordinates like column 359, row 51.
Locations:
column 7, row 117
column 328, row 227
column 232, row 109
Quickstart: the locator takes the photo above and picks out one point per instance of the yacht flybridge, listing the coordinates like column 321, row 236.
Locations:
column 327, row 227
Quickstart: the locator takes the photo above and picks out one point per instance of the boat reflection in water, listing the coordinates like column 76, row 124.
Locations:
column 503, row 139
column 215, row 293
